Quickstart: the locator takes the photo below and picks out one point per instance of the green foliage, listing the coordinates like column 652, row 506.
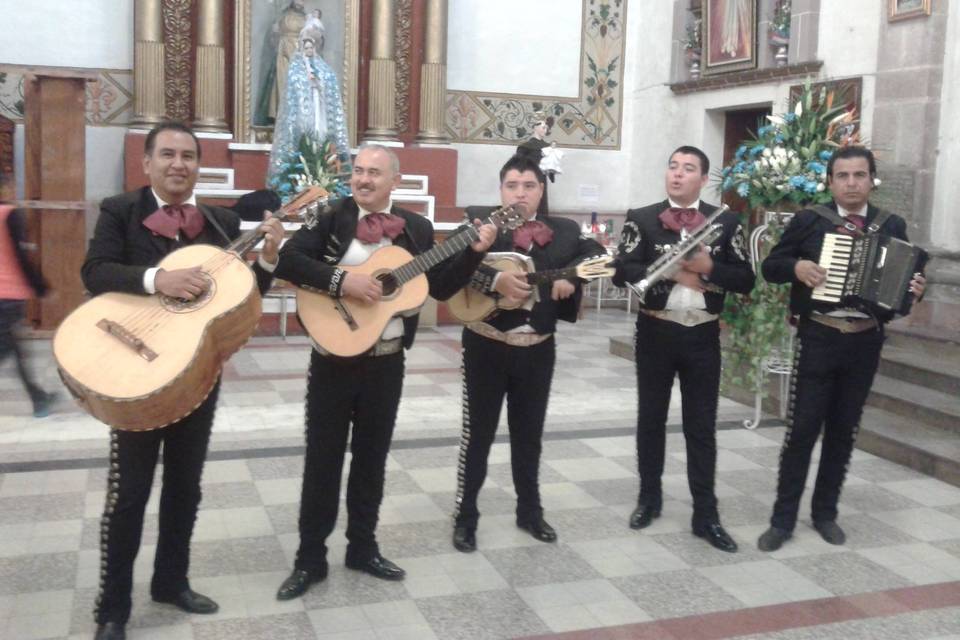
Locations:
column 757, row 325
column 314, row 164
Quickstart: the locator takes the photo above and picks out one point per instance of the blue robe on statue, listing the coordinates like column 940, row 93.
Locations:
column 312, row 106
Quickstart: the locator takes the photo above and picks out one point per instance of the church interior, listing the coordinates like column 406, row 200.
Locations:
column 602, row 92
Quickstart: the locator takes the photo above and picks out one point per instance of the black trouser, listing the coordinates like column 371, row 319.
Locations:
column 665, row 349
column 133, row 459
column 11, row 313
column 832, row 375
column 492, row 370
column 366, row 392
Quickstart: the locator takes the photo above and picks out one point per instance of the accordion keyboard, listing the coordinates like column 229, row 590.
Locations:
column 835, row 258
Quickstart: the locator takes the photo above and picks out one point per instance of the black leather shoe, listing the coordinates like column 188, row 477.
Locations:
column 111, row 631
column 190, row 601
column 297, row 584
column 465, row 539
column 830, row 531
column 539, row 529
column 642, row 516
column 716, row 536
column 773, row 538
column 378, row 567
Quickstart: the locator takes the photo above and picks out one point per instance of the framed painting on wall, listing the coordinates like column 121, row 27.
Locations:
column 902, row 9
column 729, row 35
column 267, row 32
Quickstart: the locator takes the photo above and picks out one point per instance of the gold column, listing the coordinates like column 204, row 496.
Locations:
column 148, row 100
column 433, row 75
column 382, row 113
column 209, row 97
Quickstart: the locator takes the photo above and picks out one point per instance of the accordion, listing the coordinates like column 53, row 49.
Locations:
column 872, row 270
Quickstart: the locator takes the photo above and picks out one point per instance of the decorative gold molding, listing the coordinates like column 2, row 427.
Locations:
column 243, row 128
column 177, row 35
column 148, row 55
column 209, row 99
column 433, row 75
column 591, row 120
column 403, row 44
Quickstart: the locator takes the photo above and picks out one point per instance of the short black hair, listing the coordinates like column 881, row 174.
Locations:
column 168, row 125
column 521, row 163
column 853, row 152
column 693, row 151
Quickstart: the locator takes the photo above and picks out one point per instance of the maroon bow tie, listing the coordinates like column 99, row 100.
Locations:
column 372, row 227
column 530, row 232
column 172, row 219
column 676, row 219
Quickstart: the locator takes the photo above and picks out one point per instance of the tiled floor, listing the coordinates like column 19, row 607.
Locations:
column 897, row 577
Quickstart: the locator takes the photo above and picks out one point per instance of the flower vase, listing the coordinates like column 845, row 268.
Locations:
column 693, row 58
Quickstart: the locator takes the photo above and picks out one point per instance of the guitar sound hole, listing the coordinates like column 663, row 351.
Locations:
column 178, row 305
column 389, row 282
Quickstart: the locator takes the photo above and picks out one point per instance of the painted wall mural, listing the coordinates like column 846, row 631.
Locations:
column 590, row 121
column 109, row 98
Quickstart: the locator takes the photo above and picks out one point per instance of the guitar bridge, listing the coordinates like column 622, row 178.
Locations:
column 346, row 315
column 119, row 332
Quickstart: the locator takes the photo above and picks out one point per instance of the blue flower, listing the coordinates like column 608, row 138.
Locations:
column 727, row 183
column 743, row 189
column 810, row 186
column 285, row 188
column 826, row 155
column 789, row 117
column 798, row 182
column 740, row 151
column 756, row 150
column 726, row 171
column 740, row 167
column 762, row 131
column 778, row 138
column 816, row 167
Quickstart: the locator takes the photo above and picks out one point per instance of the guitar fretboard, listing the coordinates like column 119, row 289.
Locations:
column 428, row 259
column 543, row 277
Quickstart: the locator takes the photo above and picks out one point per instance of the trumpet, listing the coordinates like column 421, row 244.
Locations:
column 666, row 265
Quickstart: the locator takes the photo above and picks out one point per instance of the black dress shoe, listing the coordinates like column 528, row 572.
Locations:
column 716, row 536
column 539, row 529
column 190, row 601
column 111, row 631
column 465, row 539
column 643, row 515
column 378, row 567
column 830, row 531
column 773, row 538
column 297, row 584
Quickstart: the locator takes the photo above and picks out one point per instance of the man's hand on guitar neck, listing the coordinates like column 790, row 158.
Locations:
column 562, row 289
column 488, row 233
column 185, row 284
column 512, row 286
column 362, row 287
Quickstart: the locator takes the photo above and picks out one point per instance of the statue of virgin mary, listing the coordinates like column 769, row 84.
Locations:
column 312, row 107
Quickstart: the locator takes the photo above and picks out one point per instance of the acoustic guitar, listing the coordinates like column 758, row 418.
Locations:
column 471, row 305
column 141, row 362
column 347, row 327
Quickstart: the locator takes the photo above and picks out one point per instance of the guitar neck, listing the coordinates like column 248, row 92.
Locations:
column 249, row 240
column 544, row 277
column 428, row 259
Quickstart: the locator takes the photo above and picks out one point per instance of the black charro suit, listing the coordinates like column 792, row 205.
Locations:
column 493, row 370
column 832, row 374
column 121, row 250
column 364, row 390
column 665, row 349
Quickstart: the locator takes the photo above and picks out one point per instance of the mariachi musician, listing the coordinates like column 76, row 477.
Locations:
column 134, row 232
column 512, row 354
column 678, row 334
column 837, row 349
